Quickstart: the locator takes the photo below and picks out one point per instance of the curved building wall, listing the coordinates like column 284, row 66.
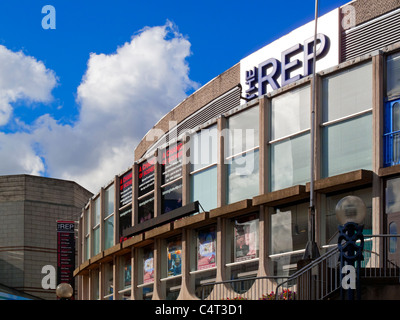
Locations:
column 226, row 196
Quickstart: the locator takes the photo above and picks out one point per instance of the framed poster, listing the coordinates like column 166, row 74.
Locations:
column 174, row 259
column 206, row 247
column 245, row 244
column 148, row 265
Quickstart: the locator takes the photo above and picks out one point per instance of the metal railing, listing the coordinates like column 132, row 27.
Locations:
column 316, row 281
column 322, row 277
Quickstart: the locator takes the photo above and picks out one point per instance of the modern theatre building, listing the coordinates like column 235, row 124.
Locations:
column 219, row 192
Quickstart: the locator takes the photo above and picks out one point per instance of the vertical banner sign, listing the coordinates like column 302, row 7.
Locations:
column 65, row 252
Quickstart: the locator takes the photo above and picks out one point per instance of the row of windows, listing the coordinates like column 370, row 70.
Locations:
column 344, row 132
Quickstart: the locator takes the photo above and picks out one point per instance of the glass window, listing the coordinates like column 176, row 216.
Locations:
column 146, row 190
column 245, row 239
column 329, row 232
column 242, row 251
column 125, row 274
column 392, row 196
column 243, row 176
column 203, row 262
column 146, row 208
column 290, row 139
column 347, row 121
column 242, row 155
column 347, row 146
column 109, row 195
column 125, row 220
column 109, row 232
column 108, row 281
column 146, row 272
column 290, row 113
column 203, row 187
column 96, row 211
column 203, row 168
column 171, row 177
column 393, row 75
column 86, row 235
column 171, row 275
column 289, row 236
column 290, row 162
column 393, row 240
column 94, row 274
column 347, row 92
column 109, row 200
column 96, row 240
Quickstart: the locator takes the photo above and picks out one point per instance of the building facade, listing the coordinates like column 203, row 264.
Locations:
column 219, row 190
column 29, row 209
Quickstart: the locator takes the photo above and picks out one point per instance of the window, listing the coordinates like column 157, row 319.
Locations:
column 289, row 236
column 242, row 250
column 290, row 139
column 87, row 235
column 329, row 223
column 109, row 195
column 125, row 202
column 393, row 75
column 392, row 196
column 242, row 151
column 203, row 167
column 171, row 178
column 392, row 111
column 347, row 121
column 108, row 281
column 203, row 261
column 125, row 277
column 146, row 190
column 171, row 272
column 146, row 272
column 96, row 227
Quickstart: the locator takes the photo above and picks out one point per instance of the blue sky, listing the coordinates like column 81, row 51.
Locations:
column 70, row 97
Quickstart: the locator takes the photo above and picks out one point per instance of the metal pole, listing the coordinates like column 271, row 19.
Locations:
column 311, row 248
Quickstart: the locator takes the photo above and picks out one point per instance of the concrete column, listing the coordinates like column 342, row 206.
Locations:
column 221, row 167
column 378, row 226
column 264, row 109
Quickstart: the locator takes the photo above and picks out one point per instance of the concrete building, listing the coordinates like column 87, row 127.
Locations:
column 29, row 209
column 228, row 189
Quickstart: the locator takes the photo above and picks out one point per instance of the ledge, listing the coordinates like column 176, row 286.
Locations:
column 388, row 171
column 283, row 196
column 342, row 181
column 112, row 250
column 96, row 258
column 191, row 220
column 158, row 231
column 132, row 241
column 231, row 208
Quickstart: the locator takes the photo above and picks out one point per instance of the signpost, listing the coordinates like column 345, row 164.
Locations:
column 65, row 252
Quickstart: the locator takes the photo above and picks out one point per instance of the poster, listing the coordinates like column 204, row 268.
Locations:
column 174, row 251
column 148, row 266
column 206, row 246
column 171, row 163
column 246, row 238
column 146, row 176
column 65, row 252
column 125, row 189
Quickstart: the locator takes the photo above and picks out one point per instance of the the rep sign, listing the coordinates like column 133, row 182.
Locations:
column 290, row 58
column 65, row 252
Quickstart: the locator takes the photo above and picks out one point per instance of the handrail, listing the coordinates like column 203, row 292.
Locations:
column 316, row 280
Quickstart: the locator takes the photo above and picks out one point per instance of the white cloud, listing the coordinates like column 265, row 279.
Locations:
column 121, row 96
column 22, row 78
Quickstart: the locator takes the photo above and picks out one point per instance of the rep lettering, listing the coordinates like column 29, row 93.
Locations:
column 288, row 70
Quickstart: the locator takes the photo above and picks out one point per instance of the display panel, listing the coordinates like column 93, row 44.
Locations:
column 174, row 259
column 146, row 176
column 125, row 189
column 206, row 248
column 245, row 244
